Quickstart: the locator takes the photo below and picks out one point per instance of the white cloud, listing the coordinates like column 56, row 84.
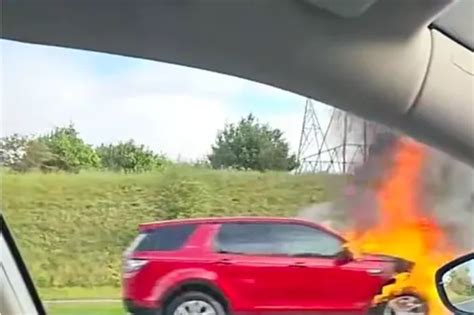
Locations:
column 171, row 109
column 177, row 125
column 290, row 124
column 40, row 90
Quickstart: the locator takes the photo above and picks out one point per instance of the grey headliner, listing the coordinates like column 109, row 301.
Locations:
column 372, row 65
column 458, row 22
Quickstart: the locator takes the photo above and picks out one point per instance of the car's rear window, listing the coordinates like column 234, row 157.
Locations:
column 164, row 238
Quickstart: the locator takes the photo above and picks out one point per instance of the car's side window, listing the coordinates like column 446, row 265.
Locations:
column 277, row 239
column 164, row 238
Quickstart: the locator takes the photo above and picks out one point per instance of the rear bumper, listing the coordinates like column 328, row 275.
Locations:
column 135, row 309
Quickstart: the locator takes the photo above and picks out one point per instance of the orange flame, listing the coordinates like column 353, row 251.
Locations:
column 405, row 229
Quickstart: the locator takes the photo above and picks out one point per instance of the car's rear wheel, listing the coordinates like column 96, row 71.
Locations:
column 195, row 303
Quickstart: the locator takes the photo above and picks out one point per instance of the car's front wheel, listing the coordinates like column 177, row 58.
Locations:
column 195, row 303
column 408, row 304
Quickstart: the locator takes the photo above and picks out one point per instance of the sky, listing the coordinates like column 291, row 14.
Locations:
column 172, row 109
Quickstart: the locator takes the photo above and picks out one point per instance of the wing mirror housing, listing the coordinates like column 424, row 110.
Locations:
column 344, row 256
column 455, row 285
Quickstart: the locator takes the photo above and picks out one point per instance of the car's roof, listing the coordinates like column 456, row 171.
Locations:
column 235, row 219
column 221, row 220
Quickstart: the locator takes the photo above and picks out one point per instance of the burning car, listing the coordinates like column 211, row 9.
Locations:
column 404, row 302
column 255, row 265
column 385, row 211
column 404, row 227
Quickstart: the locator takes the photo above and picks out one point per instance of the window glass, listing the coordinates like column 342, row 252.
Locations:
column 165, row 238
column 277, row 239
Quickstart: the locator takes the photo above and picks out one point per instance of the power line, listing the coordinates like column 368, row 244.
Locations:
column 325, row 149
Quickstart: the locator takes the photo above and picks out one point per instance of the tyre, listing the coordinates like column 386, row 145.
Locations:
column 194, row 303
column 402, row 305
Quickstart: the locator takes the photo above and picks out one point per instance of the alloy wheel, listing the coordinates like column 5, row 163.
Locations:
column 195, row 307
column 406, row 305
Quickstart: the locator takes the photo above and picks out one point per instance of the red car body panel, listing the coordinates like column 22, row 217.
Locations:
column 256, row 284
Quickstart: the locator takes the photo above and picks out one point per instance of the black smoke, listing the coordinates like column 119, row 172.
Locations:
column 446, row 191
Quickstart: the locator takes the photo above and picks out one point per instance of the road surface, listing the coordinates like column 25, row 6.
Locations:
column 467, row 306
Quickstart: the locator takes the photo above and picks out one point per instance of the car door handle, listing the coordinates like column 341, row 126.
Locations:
column 224, row 261
column 299, row 265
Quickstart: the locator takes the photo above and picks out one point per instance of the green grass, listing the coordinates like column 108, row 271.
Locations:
column 456, row 297
column 80, row 308
column 72, row 229
column 85, row 308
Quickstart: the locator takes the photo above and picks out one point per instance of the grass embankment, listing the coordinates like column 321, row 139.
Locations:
column 457, row 298
column 72, row 229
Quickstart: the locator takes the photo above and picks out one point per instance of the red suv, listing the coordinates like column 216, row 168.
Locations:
column 249, row 266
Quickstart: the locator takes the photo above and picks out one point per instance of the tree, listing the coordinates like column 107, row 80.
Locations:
column 12, row 149
column 38, row 156
column 461, row 281
column 253, row 146
column 129, row 157
column 21, row 153
column 70, row 151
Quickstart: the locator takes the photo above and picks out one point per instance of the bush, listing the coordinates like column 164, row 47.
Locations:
column 13, row 149
column 250, row 145
column 70, row 152
column 129, row 157
column 23, row 154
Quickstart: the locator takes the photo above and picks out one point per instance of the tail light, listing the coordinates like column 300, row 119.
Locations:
column 131, row 265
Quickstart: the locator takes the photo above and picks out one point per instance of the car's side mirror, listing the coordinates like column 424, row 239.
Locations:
column 455, row 284
column 344, row 256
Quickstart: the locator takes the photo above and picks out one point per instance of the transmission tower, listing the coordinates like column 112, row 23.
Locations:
column 321, row 151
column 313, row 141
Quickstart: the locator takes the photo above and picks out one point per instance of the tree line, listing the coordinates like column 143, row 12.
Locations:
column 245, row 145
column 461, row 282
column 64, row 150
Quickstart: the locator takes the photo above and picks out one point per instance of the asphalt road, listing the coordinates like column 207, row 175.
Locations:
column 467, row 306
